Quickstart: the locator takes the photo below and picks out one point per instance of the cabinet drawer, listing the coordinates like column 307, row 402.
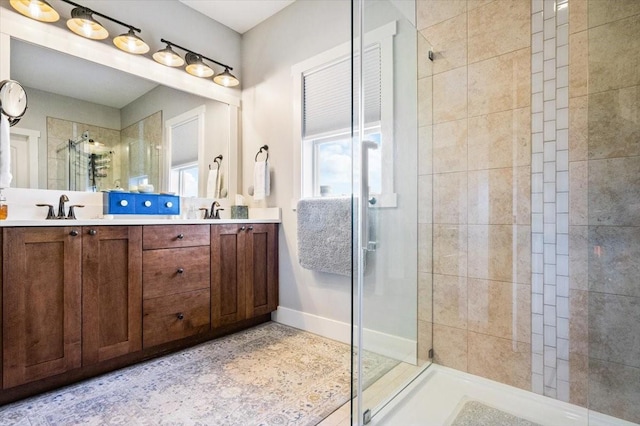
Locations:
column 171, row 236
column 175, row 316
column 170, row 271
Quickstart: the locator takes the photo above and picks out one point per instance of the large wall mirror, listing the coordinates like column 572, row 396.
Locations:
column 101, row 128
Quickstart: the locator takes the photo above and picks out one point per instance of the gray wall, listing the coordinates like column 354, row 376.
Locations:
column 298, row 32
column 301, row 31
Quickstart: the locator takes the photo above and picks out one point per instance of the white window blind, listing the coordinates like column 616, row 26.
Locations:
column 327, row 94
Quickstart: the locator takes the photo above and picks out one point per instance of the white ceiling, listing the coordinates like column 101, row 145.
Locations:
column 239, row 15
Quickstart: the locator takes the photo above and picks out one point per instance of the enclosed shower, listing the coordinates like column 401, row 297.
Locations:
column 84, row 163
column 516, row 258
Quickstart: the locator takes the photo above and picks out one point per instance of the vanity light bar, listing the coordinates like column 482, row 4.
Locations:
column 195, row 65
column 83, row 24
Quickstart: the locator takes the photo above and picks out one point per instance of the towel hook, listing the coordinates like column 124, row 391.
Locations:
column 265, row 149
column 217, row 160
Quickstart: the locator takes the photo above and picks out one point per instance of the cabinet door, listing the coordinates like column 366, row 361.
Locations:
column 41, row 298
column 228, row 274
column 112, row 292
column 261, row 257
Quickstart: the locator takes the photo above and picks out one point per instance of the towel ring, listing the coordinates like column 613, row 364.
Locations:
column 217, row 160
column 265, row 149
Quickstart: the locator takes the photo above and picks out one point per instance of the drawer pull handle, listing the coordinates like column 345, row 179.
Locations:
column 92, row 232
column 180, row 236
column 73, row 233
column 180, row 316
column 180, row 270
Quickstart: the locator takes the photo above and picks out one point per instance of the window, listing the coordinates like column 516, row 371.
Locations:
column 184, row 180
column 330, row 160
column 323, row 101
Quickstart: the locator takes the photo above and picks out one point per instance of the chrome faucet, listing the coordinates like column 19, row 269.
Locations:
column 61, row 213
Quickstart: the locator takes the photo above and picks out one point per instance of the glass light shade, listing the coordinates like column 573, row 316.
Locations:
column 131, row 43
column 196, row 67
column 168, row 57
column 39, row 10
column 83, row 24
column 226, row 79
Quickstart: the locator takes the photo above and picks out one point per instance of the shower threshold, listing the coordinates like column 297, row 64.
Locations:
column 439, row 394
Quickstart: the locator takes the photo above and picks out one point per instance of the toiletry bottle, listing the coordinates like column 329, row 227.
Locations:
column 4, row 208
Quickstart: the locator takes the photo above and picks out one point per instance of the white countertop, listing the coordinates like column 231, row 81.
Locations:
column 23, row 211
column 128, row 221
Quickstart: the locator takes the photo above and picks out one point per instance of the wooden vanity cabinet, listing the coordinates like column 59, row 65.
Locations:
column 111, row 292
column 80, row 301
column 72, row 298
column 244, row 272
column 41, row 303
column 176, row 283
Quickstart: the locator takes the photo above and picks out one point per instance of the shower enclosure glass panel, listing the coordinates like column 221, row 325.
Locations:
column 391, row 290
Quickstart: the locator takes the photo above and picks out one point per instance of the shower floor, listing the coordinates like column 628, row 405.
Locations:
column 439, row 395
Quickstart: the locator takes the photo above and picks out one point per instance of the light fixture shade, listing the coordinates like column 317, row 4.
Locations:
column 131, row 43
column 168, row 57
column 196, row 67
column 83, row 24
column 226, row 79
column 39, row 10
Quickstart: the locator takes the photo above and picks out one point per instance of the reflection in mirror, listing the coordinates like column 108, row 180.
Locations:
column 103, row 129
column 182, row 131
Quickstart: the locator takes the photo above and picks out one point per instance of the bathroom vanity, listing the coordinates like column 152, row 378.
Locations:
column 81, row 299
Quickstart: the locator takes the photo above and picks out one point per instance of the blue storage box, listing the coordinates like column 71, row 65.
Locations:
column 135, row 203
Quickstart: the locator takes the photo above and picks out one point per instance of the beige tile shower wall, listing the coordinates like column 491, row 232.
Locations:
column 578, row 203
column 141, row 145
column 58, row 134
column 481, row 185
column 607, row 117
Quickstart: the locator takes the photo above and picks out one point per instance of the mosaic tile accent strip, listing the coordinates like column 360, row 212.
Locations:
column 267, row 375
column 550, row 198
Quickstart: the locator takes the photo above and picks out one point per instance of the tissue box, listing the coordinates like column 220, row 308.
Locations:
column 239, row 212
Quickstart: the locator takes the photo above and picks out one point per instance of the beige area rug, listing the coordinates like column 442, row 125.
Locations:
column 474, row 413
column 268, row 375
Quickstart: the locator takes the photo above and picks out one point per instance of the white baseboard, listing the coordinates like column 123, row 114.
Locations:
column 395, row 347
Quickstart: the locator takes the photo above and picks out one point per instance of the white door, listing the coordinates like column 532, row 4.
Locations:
column 24, row 158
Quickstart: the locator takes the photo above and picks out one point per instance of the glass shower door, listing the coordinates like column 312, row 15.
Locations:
column 391, row 332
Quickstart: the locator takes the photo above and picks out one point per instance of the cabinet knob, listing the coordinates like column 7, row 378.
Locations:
column 124, row 203
column 147, row 203
column 180, row 316
column 251, row 228
column 180, row 236
column 92, row 232
column 242, row 228
column 180, row 270
column 73, row 233
column 168, row 204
